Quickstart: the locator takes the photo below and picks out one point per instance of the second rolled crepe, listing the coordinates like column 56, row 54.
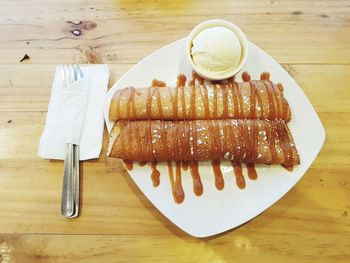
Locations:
column 256, row 99
column 248, row 141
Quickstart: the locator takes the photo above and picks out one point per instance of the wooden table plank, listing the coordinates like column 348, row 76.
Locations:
column 28, row 87
column 327, row 86
column 246, row 245
column 308, row 32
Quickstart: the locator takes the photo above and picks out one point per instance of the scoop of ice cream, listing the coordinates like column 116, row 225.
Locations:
column 216, row 49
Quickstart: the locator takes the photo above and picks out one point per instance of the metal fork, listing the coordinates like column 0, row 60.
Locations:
column 71, row 179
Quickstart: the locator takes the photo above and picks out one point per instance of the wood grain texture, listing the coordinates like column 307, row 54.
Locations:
column 118, row 224
column 247, row 245
column 291, row 31
column 319, row 82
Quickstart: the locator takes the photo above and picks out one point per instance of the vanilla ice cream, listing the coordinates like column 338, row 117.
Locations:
column 216, row 49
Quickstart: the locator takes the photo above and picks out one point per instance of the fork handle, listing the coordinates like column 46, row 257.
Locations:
column 67, row 205
column 76, row 181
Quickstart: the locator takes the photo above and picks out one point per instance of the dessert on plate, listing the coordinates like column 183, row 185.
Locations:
column 210, row 121
column 209, row 118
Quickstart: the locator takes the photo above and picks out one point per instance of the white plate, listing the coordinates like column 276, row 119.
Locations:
column 218, row 211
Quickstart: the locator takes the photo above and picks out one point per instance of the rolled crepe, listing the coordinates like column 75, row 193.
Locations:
column 249, row 141
column 257, row 99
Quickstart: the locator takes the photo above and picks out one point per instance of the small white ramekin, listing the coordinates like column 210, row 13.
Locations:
column 217, row 75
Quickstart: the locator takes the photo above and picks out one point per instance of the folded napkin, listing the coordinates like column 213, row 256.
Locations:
column 75, row 98
column 75, row 114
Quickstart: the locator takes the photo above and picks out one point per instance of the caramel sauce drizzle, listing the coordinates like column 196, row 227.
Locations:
column 139, row 145
column 119, row 96
column 237, row 170
column 215, row 102
column 265, row 76
column 131, row 110
column 175, row 131
column 193, row 102
column 159, row 102
column 245, row 76
column 149, row 139
column 235, row 144
column 185, row 165
column 158, row 83
column 197, row 183
column 128, row 164
column 240, row 103
column 155, row 174
column 129, row 143
column 284, row 108
column 219, row 179
column 286, row 148
column 270, row 95
column 176, row 136
column 271, row 138
column 175, row 104
column 252, row 105
column 217, row 141
column 183, row 104
column 164, row 140
column 196, row 77
column 284, row 102
column 224, row 92
column 176, row 186
column 203, row 90
column 181, row 82
column 193, row 131
column 235, row 99
column 149, row 103
column 280, row 86
column 213, row 142
column 142, row 163
column 231, row 80
column 251, row 171
column 278, row 108
column 172, row 100
column 244, row 132
column 186, row 147
column 277, row 100
column 263, row 115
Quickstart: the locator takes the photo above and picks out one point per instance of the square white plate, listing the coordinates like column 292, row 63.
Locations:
column 217, row 211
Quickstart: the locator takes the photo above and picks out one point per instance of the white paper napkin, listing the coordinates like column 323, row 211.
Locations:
column 62, row 114
column 75, row 98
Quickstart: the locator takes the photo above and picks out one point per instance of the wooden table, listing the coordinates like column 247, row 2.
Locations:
column 311, row 39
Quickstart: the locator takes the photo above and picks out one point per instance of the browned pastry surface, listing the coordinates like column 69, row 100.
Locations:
column 255, row 99
column 249, row 141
